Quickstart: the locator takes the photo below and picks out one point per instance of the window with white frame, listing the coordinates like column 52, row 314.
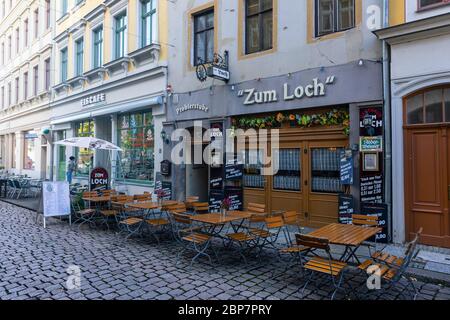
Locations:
column 35, row 80
column 17, row 40
column 36, row 23
column 63, row 55
column 64, row 6
column 98, row 47
column 47, row 14
column 148, row 21
column 120, row 29
column 25, row 33
column 334, row 16
column 204, row 37
column 25, row 86
column 47, row 74
column 425, row 4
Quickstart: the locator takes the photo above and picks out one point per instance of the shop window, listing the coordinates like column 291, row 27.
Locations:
column 424, row 4
column 325, row 170
column 29, row 156
column 148, row 22
column 334, row 16
column 136, row 138
column 289, row 167
column 259, row 25
column 85, row 157
column 252, row 160
column 204, row 37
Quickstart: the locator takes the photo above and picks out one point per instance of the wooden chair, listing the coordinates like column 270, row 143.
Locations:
column 179, row 207
column 190, row 201
column 108, row 193
column 143, row 197
column 332, row 269
column 366, row 221
column 291, row 218
column 189, row 237
column 393, row 269
column 200, row 207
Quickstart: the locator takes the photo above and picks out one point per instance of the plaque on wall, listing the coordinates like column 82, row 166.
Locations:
column 346, row 209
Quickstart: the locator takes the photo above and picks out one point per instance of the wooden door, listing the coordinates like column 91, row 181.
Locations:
column 427, row 184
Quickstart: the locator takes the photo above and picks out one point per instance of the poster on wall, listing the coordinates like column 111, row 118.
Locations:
column 99, row 179
column 346, row 168
column 372, row 189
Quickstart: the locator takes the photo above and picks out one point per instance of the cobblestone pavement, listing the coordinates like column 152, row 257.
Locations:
column 34, row 262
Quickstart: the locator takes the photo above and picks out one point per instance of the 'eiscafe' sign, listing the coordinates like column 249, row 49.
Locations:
column 316, row 88
column 93, row 99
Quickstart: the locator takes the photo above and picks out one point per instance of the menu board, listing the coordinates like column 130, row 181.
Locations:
column 372, row 189
column 56, row 198
column 236, row 196
column 346, row 168
column 216, row 178
column 234, row 171
column 346, row 209
column 165, row 186
column 215, row 200
column 379, row 210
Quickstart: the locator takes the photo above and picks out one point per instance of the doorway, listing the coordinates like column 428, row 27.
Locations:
column 427, row 163
column 197, row 171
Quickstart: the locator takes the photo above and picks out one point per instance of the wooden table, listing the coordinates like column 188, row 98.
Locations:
column 347, row 235
column 219, row 219
column 143, row 205
column 97, row 199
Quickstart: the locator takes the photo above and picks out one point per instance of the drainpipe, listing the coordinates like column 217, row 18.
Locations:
column 387, row 121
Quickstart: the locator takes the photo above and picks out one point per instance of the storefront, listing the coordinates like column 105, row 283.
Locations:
column 128, row 116
column 420, row 103
column 317, row 113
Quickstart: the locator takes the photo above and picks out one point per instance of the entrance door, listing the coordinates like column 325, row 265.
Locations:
column 427, row 184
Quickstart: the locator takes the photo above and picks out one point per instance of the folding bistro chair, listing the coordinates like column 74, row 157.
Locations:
column 392, row 269
column 143, row 197
column 318, row 266
column 268, row 234
column 189, row 237
column 190, row 201
column 200, row 207
column 291, row 218
column 366, row 221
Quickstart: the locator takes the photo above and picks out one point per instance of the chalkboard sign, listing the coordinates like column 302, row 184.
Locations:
column 379, row 210
column 166, row 186
column 346, row 168
column 372, row 189
column 237, row 198
column 234, row 171
column 216, row 178
column 346, row 209
column 215, row 200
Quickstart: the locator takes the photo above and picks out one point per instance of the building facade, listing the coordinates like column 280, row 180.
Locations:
column 420, row 109
column 311, row 69
column 25, row 82
column 111, row 80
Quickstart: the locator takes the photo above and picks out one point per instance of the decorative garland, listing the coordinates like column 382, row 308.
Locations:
column 333, row 117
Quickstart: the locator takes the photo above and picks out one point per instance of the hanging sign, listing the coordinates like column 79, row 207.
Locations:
column 99, row 179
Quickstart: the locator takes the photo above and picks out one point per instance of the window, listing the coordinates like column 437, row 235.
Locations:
column 79, row 44
column 25, row 25
column 253, row 177
column 63, row 64
column 36, row 23
column 120, row 36
column 258, row 25
column 428, row 106
column 29, row 155
column 25, row 86
column 289, row 169
column 204, row 37
column 63, row 7
column 3, row 97
column 3, row 9
column 13, row 150
column 148, row 21
column 47, row 14
column 85, row 156
column 325, row 170
column 334, row 16
column 432, row 3
column 136, row 138
column 3, row 53
column 9, row 93
column 17, row 91
column 17, row 40
column 9, row 47
column 36, row 80
column 47, row 74
column 98, row 47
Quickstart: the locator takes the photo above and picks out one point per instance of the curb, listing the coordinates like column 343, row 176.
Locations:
column 430, row 276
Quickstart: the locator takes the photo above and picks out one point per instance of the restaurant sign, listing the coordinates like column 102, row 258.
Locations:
column 192, row 106
column 93, row 99
column 99, row 179
column 371, row 144
column 316, row 88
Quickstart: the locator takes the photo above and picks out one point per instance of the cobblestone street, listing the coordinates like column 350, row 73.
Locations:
column 34, row 262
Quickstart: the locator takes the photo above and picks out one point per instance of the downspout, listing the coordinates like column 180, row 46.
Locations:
column 387, row 121
column 52, row 80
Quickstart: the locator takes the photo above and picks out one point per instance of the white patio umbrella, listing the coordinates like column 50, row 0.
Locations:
column 89, row 143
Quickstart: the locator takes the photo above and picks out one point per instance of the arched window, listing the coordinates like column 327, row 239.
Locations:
column 431, row 105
